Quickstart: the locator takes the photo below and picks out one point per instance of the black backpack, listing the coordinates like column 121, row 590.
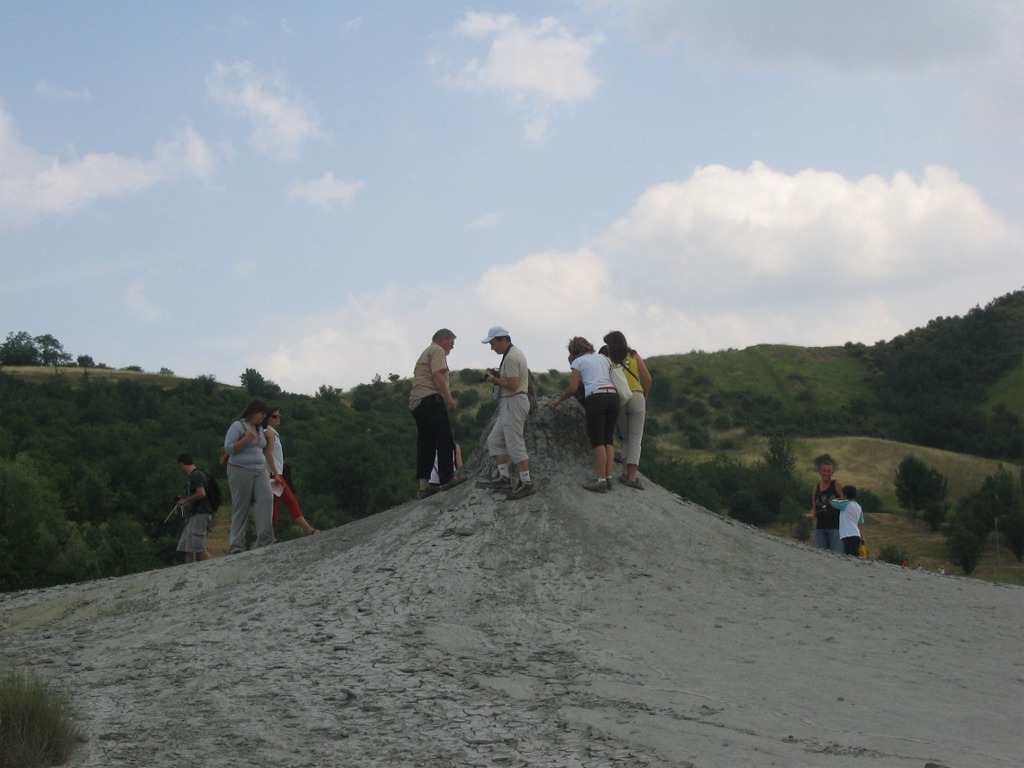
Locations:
column 212, row 491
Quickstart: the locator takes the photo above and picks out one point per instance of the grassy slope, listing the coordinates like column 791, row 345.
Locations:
column 39, row 374
column 1008, row 391
column 829, row 374
column 865, row 462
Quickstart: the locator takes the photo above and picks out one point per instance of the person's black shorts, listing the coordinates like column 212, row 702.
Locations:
column 602, row 409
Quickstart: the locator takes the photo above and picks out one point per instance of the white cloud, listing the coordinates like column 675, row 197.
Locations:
column 244, row 269
column 813, row 259
column 186, row 152
column 378, row 330
column 139, row 304
column 32, row 183
column 724, row 233
column 56, row 93
column 326, row 192
column 281, row 125
column 552, row 285
column 486, row 221
column 726, row 258
column 535, row 66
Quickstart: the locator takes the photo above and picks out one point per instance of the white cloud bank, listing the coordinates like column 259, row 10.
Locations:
column 33, row 183
column 535, row 66
column 281, row 124
column 326, row 192
column 724, row 259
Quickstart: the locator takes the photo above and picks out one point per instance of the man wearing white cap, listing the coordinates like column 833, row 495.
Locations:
column 506, row 442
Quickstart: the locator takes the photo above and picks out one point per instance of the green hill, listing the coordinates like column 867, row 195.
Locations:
column 957, row 384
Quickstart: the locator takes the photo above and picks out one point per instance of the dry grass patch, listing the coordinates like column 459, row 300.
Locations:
column 924, row 549
column 39, row 374
column 36, row 724
column 865, row 462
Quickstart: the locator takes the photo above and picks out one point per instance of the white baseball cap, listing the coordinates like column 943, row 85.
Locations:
column 495, row 333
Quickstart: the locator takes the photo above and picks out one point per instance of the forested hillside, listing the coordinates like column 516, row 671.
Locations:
column 957, row 384
column 101, row 455
column 87, row 455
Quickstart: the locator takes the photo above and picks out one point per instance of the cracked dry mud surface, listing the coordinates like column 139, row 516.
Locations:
column 565, row 629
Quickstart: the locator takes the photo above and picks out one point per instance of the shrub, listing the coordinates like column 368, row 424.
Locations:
column 802, row 529
column 791, row 511
column 685, row 479
column 698, row 437
column 742, row 507
column 869, row 501
column 485, row 412
column 965, row 537
column 36, row 728
column 696, row 409
column 468, row 397
column 891, row 553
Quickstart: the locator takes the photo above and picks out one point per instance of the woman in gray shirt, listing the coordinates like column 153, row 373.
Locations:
column 248, row 478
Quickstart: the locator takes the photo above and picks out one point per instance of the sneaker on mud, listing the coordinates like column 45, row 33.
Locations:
column 456, row 480
column 498, row 483
column 522, row 491
column 430, row 490
column 596, row 486
column 634, row 483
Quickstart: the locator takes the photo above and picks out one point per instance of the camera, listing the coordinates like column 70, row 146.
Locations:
column 491, row 371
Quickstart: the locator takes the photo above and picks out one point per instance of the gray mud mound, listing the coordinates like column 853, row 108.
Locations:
column 565, row 629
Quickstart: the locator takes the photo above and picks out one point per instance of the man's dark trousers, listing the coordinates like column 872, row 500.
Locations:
column 434, row 438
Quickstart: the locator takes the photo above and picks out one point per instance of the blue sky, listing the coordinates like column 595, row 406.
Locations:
column 311, row 189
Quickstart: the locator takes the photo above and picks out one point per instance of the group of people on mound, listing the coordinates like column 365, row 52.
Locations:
column 257, row 476
column 430, row 401
column 838, row 518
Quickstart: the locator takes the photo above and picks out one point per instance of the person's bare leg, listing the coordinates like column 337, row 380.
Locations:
column 599, row 462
